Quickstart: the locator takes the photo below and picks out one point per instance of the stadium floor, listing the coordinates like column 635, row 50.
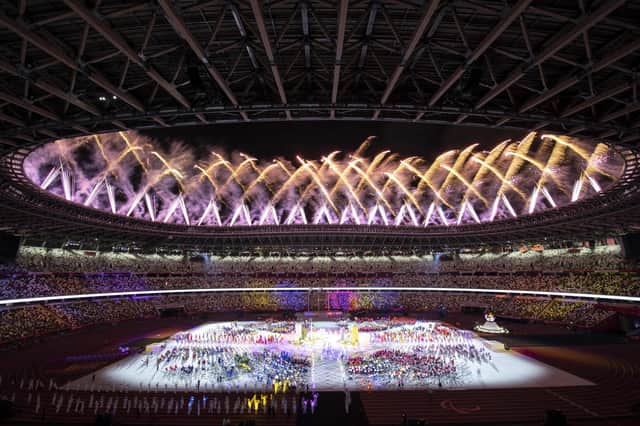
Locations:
column 614, row 368
column 325, row 350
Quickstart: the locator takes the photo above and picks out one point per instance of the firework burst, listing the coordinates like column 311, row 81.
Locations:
column 128, row 174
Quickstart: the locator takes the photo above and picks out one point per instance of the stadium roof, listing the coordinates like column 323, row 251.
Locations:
column 71, row 67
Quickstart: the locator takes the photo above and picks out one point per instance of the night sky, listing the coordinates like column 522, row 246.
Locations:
column 312, row 140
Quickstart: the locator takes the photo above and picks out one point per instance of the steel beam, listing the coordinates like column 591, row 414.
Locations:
column 221, row 114
column 617, row 114
column 103, row 28
column 184, row 32
column 342, row 25
column 13, row 120
column 24, row 104
column 616, row 55
column 595, row 99
column 415, row 39
column 504, row 23
column 262, row 29
column 50, row 88
column 54, row 51
column 550, row 93
column 551, row 48
column 304, row 16
column 606, row 61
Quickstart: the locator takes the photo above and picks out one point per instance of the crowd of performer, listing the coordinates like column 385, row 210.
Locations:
column 232, row 354
column 430, row 352
column 246, row 356
column 388, row 366
column 230, row 335
column 45, row 399
column 431, row 332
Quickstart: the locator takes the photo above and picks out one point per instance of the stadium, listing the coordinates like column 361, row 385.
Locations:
column 310, row 212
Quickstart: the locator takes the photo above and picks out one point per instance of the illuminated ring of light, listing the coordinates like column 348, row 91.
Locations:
column 585, row 296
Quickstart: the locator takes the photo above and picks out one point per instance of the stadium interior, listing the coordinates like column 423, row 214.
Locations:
column 320, row 212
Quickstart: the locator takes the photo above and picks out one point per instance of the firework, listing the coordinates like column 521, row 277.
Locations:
column 128, row 174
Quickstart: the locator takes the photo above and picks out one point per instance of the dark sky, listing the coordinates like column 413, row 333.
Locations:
column 314, row 139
